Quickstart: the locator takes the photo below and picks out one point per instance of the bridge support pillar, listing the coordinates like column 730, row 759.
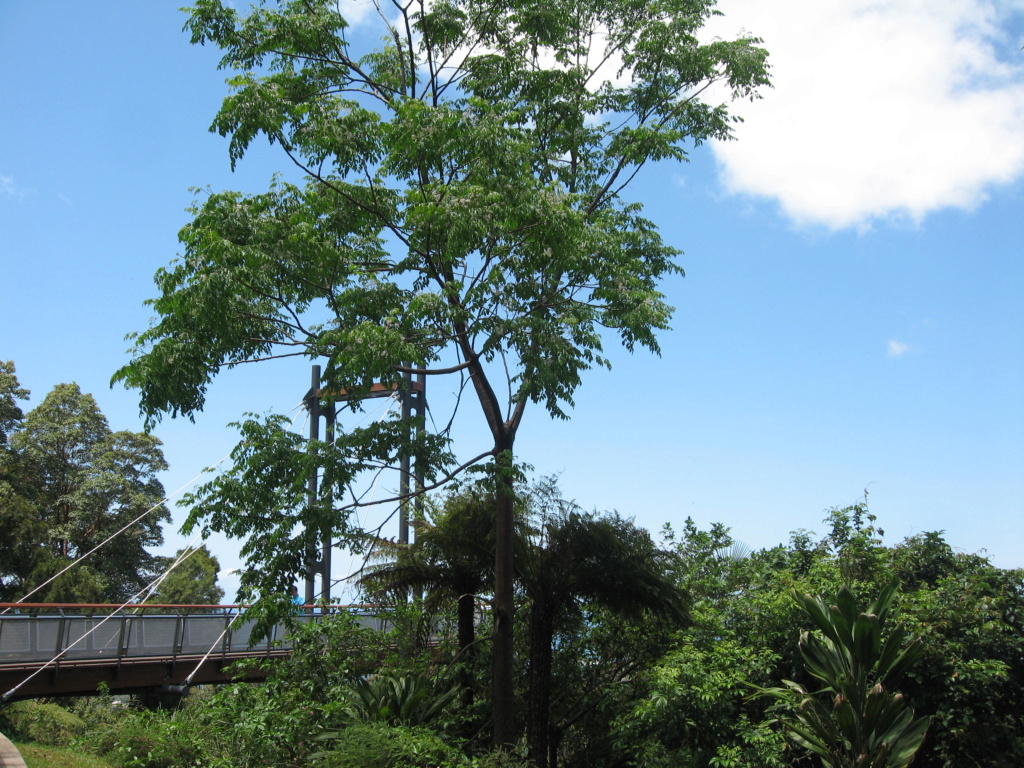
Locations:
column 320, row 404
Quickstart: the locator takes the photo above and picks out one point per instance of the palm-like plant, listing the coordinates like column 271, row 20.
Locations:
column 452, row 559
column 398, row 700
column 865, row 724
column 453, row 556
column 579, row 559
column 392, row 700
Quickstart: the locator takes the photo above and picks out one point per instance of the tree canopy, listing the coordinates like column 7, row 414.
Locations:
column 68, row 483
column 192, row 579
column 10, row 393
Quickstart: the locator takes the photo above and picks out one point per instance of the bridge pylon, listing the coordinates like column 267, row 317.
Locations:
column 320, row 403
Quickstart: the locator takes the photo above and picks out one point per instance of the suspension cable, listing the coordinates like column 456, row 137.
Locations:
column 129, row 601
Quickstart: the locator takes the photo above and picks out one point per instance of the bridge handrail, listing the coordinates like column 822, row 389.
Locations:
column 54, row 632
column 110, row 608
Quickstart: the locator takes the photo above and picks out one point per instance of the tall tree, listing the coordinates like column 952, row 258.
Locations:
column 10, row 393
column 461, row 215
column 79, row 483
column 21, row 526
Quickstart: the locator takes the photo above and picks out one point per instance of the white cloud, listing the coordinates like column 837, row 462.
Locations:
column 897, row 348
column 355, row 11
column 7, row 186
column 879, row 109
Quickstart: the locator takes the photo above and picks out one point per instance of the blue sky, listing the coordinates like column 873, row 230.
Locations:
column 851, row 318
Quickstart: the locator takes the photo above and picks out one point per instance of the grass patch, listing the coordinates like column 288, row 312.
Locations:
column 39, row 756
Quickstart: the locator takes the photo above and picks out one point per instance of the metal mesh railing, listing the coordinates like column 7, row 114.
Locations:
column 40, row 632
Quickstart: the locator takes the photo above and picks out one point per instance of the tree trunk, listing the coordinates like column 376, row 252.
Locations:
column 538, row 726
column 465, row 612
column 503, row 610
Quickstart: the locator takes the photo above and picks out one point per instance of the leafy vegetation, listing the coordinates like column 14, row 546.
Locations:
column 67, row 482
column 859, row 720
column 461, row 216
column 636, row 687
column 192, row 581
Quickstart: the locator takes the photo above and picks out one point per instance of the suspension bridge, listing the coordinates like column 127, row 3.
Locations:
column 51, row 649
column 58, row 649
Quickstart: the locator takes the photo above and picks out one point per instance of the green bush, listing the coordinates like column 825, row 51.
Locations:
column 499, row 759
column 145, row 739
column 43, row 723
column 251, row 726
column 857, row 719
column 99, row 710
column 398, row 699
column 376, row 745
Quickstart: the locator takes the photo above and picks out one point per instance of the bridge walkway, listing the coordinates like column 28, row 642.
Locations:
column 49, row 649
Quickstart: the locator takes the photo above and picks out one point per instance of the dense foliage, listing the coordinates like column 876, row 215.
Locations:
column 67, row 484
column 858, row 719
column 628, row 687
column 964, row 612
column 189, row 578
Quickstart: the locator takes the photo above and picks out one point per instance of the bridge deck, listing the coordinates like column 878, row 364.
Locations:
column 77, row 647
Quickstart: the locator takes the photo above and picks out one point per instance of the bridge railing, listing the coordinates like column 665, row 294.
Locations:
column 40, row 632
